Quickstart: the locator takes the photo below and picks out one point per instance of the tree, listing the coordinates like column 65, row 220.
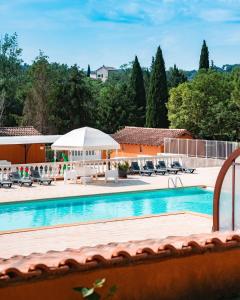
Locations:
column 152, row 63
column 234, row 106
column 115, row 110
column 72, row 102
column 38, row 93
column 204, row 57
column 205, row 106
column 137, row 93
column 88, row 71
column 175, row 77
column 156, row 113
column 11, row 73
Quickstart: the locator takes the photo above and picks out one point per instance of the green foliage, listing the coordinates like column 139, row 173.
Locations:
column 137, row 93
column 11, row 76
column 123, row 166
column 122, row 75
column 39, row 89
column 207, row 106
column 72, row 102
column 156, row 113
column 175, row 77
column 115, row 109
column 90, row 293
column 204, row 57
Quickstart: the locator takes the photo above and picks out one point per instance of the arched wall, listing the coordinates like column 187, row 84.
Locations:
column 226, row 204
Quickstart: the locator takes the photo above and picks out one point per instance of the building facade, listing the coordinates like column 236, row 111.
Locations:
column 21, row 145
column 140, row 141
column 102, row 73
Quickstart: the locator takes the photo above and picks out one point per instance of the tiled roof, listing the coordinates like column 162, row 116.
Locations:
column 107, row 68
column 53, row 263
column 146, row 136
column 18, row 131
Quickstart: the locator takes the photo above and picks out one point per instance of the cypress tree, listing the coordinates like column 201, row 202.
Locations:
column 175, row 77
column 137, row 93
column 156, row 113
column 88, row 71
column 152, row 64
column 204, row 57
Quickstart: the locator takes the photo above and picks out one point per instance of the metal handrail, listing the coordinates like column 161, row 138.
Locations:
column 178, row 179
column 170, row 179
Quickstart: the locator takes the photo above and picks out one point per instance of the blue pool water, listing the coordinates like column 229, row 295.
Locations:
column 50, row 212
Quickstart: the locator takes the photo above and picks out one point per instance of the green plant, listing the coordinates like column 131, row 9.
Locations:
column 90, row 293
column 123, row 166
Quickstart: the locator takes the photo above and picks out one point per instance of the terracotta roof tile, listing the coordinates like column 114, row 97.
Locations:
column 18, row 131
column 147, row 136
column 51, row 263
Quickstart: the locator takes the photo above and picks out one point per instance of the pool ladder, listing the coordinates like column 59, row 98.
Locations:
column 174, row 183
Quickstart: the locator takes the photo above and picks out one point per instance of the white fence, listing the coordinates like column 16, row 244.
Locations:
column 56, row 170
column 200, row 148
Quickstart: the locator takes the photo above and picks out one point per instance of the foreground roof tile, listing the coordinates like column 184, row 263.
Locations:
column 37, row 265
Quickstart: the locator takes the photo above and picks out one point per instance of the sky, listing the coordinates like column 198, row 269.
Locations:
column 112, row 32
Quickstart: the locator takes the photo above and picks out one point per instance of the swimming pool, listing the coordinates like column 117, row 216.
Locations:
column 50, row 212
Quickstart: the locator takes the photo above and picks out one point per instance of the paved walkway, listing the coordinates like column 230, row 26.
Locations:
column 154, row 227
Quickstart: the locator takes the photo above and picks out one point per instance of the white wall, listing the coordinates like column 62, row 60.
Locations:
column 77, row 155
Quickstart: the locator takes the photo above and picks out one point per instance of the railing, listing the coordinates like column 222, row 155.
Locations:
column 170, row 180
column 178, row 179
column 51, row 169
column 174, row 182
column 200, row 148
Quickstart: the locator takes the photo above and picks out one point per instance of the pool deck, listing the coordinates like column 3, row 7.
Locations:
column 203, row 176
column 91, row 234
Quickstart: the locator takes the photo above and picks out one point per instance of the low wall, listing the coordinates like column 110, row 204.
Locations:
column 210, row 275
column 56, row 170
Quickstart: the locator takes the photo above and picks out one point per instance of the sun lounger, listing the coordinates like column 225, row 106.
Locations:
column 35, row 176
column 149, row 166
column 135, row 169
column 5, row 181
column 162, row 166
column 16, row 178
column 177, row 165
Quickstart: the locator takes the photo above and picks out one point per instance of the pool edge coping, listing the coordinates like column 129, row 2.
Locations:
column 104, row 193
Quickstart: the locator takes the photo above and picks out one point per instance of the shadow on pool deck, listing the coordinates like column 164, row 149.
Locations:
column 126, row 182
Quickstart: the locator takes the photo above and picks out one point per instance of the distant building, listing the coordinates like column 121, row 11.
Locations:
column 102, row 73
column 137, row 141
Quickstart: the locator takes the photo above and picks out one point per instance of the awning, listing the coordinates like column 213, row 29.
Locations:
column 85, row 138
column 31, row 139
